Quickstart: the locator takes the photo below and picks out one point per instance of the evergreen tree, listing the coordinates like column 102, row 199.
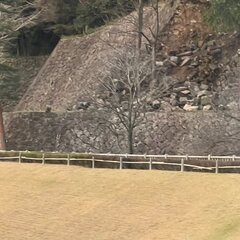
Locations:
column 98, row 12
column 224, row 15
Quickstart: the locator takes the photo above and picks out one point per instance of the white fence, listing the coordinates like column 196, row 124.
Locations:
column 165, row 162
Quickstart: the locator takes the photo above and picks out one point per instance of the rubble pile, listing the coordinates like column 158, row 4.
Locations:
column 196, row 58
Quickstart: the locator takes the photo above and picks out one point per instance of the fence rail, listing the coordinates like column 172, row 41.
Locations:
column 162, row 162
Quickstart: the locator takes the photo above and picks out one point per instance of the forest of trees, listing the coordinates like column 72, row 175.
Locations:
column 69, row 17
column 58, row 17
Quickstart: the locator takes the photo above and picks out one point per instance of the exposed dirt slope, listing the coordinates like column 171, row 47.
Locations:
column 54, row 202
column 196, row 58
column 189, row 31
column 70, row 72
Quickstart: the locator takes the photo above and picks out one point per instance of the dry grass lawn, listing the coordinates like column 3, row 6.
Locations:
column 72, row 203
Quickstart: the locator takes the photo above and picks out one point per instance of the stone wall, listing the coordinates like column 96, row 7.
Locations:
column 160, row 133
column 69, row 75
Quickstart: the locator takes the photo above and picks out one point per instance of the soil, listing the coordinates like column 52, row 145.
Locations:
column 187, row 28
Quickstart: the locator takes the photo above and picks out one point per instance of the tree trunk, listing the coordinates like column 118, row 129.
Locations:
column 140, row 25
column 154, row 77
column 130, row 141
column 154, row 46
column 2, row 133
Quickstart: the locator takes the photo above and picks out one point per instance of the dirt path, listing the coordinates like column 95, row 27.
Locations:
column 58, row 203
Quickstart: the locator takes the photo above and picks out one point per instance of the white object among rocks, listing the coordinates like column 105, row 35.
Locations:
column 190, row 108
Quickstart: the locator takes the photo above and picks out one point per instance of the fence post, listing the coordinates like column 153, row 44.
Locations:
column 20, row 157
column 217, row 164
column 233, row 158
column 150, row 163
column 68, row 159
column 182, row 165
column 43, row 158
column 121, row 163
column 93, row 162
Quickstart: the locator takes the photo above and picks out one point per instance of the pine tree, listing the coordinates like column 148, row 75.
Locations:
column 224, row 15
column 98, row 12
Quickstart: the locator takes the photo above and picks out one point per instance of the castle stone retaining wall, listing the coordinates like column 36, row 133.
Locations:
column 196, row 133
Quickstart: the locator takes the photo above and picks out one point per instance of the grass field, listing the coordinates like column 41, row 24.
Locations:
column 60, row 202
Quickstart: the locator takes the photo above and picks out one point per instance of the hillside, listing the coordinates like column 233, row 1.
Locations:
column 193, row 60
column 69, row 75
column 54, row 202
column 200, row 67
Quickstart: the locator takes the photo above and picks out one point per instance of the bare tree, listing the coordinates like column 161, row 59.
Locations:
column 154, row 40
column 149, row 32
column 145, row 27
column 15, row 17
column 139, row 8
column 125, row 80
column 122, row 94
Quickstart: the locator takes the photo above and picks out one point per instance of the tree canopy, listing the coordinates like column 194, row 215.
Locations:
column 58, row 17
column 224, row 15
column 97, row 12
